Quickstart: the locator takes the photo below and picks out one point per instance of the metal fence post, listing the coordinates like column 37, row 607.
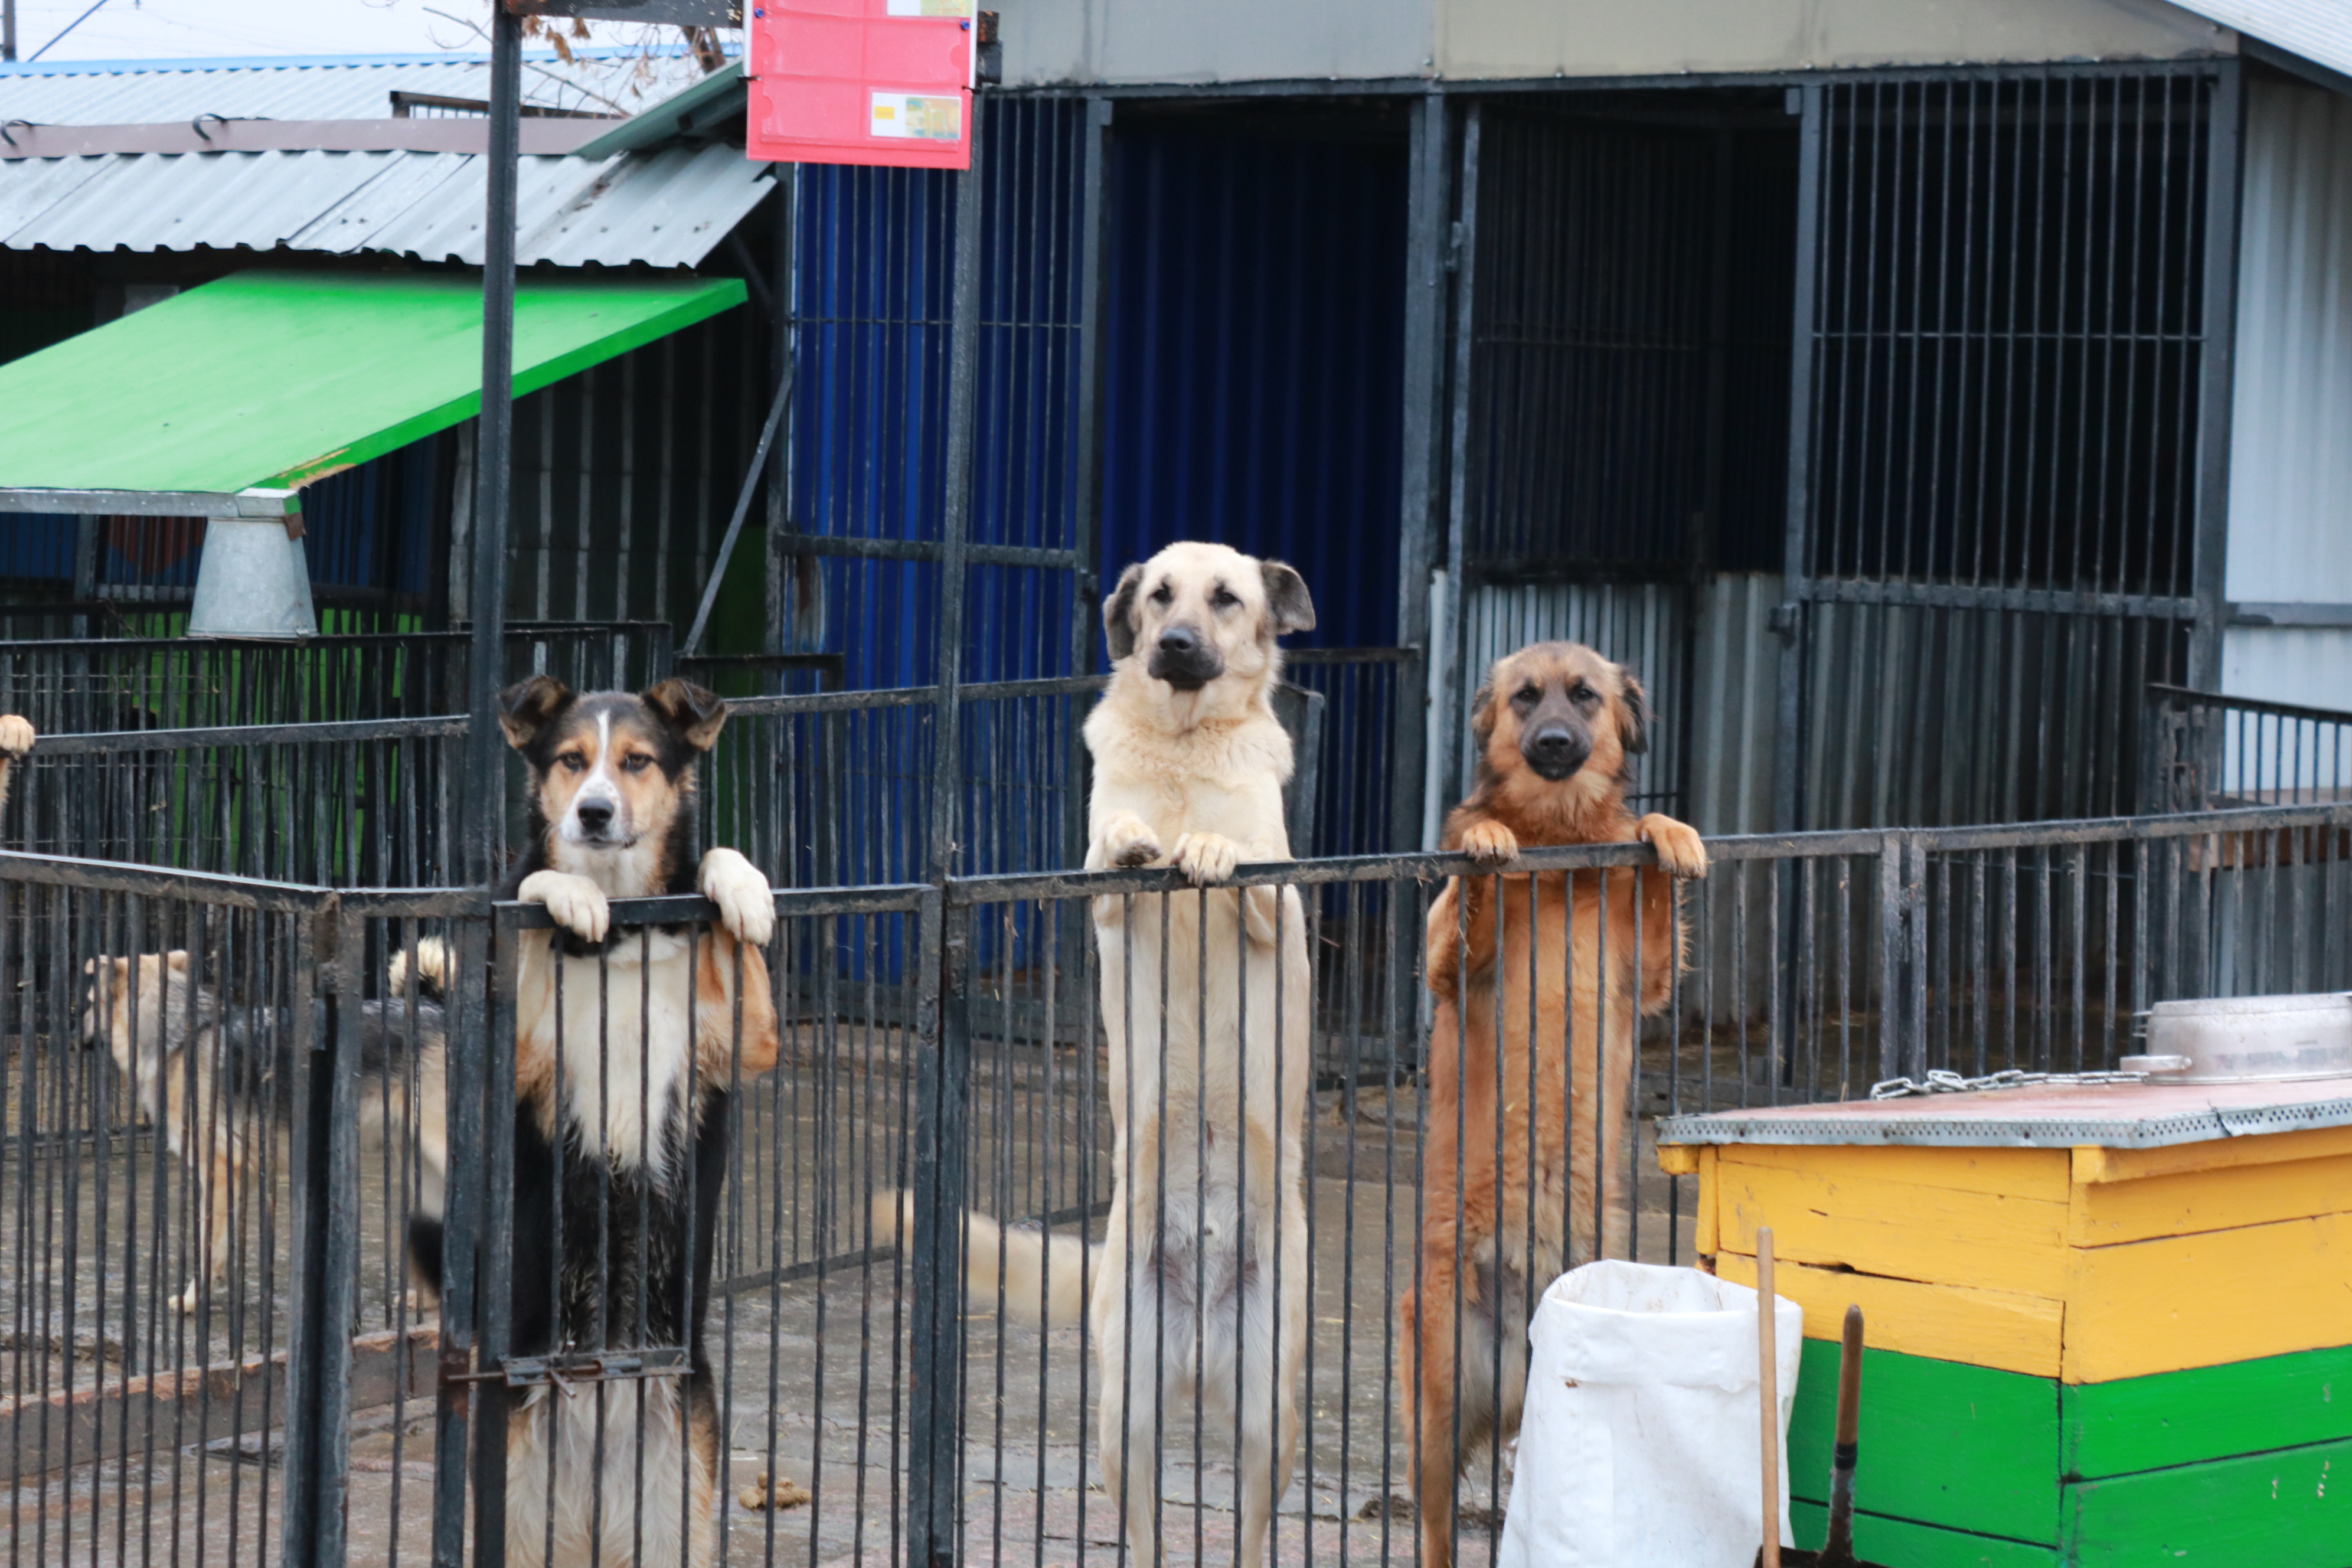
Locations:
column 326, row 1238
column 460, row 1224
column 485, row 787
column 1790, row 620
column 935, row 1356
column 493, row 1281
column 1894, row 950
column 955, row 514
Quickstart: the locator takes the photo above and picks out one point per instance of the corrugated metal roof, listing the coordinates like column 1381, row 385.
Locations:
column 127, row 92
column 664, row 208
column 2318, row 30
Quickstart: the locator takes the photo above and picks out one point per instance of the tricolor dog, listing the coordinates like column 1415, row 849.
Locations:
column 626, row 1052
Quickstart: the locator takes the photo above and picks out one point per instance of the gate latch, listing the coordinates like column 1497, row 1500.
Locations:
column 1783, row 619
column 582, row 1366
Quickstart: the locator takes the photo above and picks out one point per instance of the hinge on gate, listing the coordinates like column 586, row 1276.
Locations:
column 1455, row 237
column 1782, row 620
column 581, row 1367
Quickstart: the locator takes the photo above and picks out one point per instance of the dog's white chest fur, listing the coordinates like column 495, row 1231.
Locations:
column 626, row 1046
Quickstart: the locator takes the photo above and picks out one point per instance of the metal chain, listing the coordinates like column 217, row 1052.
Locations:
column 1942, row 1080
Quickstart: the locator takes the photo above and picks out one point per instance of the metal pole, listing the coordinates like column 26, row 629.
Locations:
column 485, row 785
column 2217, row 368
column 7, row 29
column 1789, row 742
column 955, row 512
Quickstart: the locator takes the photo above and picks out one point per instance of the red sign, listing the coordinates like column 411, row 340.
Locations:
column 862, row 82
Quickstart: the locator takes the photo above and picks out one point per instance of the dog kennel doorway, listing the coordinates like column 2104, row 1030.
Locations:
column 1934, row 596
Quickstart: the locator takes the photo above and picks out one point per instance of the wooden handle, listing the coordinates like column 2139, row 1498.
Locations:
column 1767, row 1353
column 1849, row 1405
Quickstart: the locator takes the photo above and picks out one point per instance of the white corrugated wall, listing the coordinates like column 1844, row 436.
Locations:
column 2290, row 460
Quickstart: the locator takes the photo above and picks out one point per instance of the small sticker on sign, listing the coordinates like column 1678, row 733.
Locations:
column 918, row 115
column 930, row 7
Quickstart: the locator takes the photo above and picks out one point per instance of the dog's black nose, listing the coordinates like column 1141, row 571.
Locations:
column 1179, row 640
column 594, row 815
column 1555, row 751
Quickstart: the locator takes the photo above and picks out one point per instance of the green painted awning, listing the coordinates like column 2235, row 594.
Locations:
column 265, row 381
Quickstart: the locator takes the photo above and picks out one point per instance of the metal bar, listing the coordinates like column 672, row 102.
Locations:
column 105, row 742
column 784, row 402
column 484, row 829
column 934, row 1374
column 933, row 550
column 1428, row 195
column 468, row 1096
column 1792, row 619
column 955, row 512
column 152, row 881
column 1942, row 595
column 255, row 502
column 2225, row 143
column 1462, row 251
column 2188, row 698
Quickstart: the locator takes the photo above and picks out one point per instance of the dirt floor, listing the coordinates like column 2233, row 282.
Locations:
column 810, row 1338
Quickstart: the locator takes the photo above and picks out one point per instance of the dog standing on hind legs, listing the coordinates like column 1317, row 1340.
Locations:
column 626, row 1056
column 1513, row 1190
column 1202, row 1294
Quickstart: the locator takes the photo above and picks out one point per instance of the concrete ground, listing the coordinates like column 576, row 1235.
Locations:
column 810, row 1338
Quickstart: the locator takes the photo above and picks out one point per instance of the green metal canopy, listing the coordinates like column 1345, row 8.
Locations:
column 224, row 400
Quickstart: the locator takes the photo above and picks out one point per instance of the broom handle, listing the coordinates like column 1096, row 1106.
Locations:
column 1849, row 1432
column 1768, row 1379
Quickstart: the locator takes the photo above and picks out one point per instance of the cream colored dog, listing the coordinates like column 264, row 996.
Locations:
column 1201, row 1300
column 1191, row 1301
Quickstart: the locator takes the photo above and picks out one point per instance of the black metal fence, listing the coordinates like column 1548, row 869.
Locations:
column 216, row 1334
column 2203, row 749
column 82, row 687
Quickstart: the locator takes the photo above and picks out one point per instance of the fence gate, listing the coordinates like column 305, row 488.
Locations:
column 2008, row 456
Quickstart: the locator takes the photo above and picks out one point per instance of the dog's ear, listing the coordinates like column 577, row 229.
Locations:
column 1632, row 715
column 1118, row 613
column 1287, row 606
column 696, row 713
column 1482, row 716
column 526, row 708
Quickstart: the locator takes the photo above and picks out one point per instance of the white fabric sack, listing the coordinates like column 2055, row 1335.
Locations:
column 1639, row 1447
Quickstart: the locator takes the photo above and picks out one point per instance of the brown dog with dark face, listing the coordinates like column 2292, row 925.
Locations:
column 1521, row 1113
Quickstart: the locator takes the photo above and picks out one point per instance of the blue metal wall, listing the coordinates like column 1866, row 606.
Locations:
column 1256, row 360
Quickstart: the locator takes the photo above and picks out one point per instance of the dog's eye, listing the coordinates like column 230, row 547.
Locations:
column 1583, row 694
column 572, row 763
column 1526, row 695
column 1224, row 598
column 637, row 762
column 1163, row 595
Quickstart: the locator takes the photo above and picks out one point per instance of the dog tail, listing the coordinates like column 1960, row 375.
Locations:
column 434, row 963
column 1043, row 1277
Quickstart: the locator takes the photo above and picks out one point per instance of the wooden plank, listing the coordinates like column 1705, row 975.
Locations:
column 2203, row 1300
column 199, row 1404
column 2107, row 1212
column 1900, row 1230
column 2287, row 1510
column 1679, row 1159
column 1708, row 1238
column 2207, row 1413
column 1941, row 1443
column 1995, row 1328
column 2228, row 1153
column 2044, row 1174
column 1900, row 1540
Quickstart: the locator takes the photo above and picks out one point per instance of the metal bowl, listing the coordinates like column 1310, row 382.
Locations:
column 2248, row 1039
